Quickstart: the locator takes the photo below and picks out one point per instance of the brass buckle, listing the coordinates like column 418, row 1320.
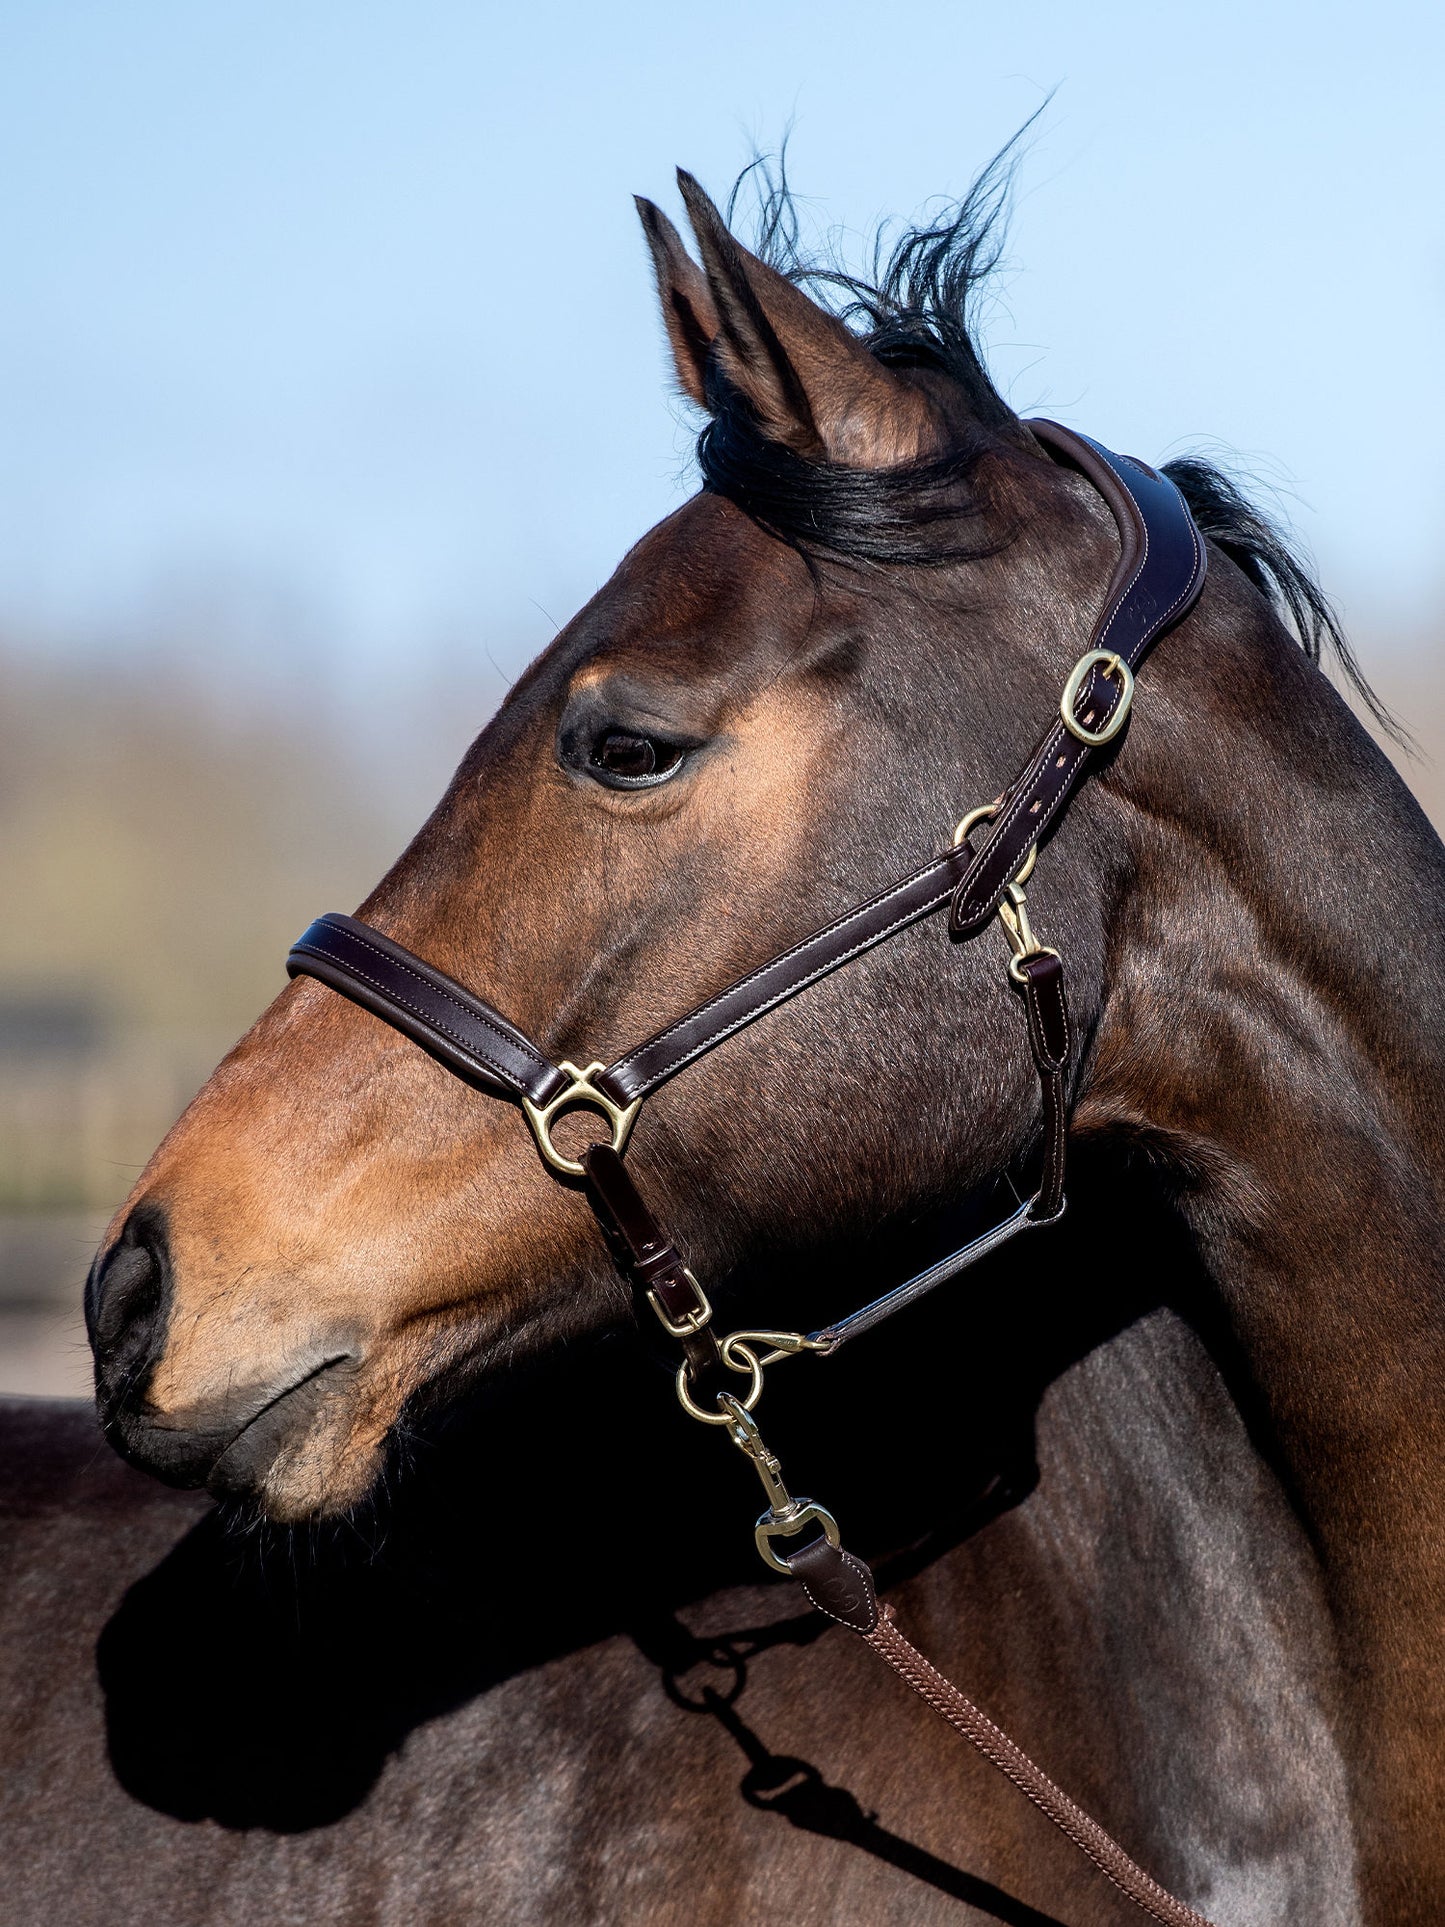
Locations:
column 1114, row 665
column 693, row 1322
column 581, row 1091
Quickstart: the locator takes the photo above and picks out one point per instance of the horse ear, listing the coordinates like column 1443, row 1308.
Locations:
column 687, row 306
column 812, row 384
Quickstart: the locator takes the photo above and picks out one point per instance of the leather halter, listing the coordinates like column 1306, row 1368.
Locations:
column 1155, row 582
column 1159, row 574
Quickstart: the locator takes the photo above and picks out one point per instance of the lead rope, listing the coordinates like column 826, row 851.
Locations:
column 836, row 1582
column 1011, row 1760
column 841, row 1585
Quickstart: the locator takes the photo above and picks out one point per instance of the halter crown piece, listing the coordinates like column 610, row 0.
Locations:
column 1156, row 581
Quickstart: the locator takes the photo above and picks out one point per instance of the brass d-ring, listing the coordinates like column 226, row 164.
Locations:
column 1114, row 665
column 581, row 1091
column 985, row 813
column 754, row 1370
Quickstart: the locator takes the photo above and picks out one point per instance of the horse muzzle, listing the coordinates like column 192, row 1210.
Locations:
column 228, row 1442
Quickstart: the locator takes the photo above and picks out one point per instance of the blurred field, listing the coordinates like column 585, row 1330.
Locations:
column 163, row 836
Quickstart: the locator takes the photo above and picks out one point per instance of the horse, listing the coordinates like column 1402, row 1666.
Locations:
column 475, row 1631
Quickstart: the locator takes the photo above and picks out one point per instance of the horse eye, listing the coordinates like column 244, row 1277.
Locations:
column 629, row 758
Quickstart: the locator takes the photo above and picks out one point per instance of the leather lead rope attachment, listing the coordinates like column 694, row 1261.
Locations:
column 840, row 1584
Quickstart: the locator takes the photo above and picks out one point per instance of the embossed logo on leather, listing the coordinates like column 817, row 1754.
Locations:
column 839, row 1584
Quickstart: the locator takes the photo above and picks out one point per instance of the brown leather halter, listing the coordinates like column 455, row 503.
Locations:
column 1159, row 574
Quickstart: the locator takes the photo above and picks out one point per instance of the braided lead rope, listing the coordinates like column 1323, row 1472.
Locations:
column 996, row 1747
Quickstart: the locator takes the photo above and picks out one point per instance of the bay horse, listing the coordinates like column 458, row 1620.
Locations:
column 474, row 1635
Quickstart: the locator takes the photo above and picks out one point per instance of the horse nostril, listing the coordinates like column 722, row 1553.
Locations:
column 126, row 1298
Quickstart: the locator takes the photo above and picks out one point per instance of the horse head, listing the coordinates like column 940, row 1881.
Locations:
column 791, row 688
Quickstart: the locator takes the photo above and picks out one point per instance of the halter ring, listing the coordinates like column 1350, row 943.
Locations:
column 752, row 1369
column 1113, row 665
column 581, row 1091
column 985, row 813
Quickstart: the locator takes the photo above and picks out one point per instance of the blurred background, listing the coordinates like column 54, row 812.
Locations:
column 331, row 383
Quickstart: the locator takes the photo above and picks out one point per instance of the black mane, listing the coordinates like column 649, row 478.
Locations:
column 914, row 309
column 1274, row 565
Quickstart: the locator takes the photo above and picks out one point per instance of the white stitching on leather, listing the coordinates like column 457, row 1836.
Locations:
column 1058, row 734
column 507, row 1076
column 913, row 915
column 857, row 1566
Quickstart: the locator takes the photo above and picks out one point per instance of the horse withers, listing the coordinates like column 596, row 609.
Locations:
column 1164, row 1489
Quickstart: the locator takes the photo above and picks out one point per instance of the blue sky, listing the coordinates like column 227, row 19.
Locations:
column 340, row 312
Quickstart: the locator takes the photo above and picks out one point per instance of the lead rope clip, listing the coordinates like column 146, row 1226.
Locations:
column 786, row 1516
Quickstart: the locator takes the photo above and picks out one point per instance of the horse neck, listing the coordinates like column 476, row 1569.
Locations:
column 1273, row 1036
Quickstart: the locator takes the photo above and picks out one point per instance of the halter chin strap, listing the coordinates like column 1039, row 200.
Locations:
column 1156, row 580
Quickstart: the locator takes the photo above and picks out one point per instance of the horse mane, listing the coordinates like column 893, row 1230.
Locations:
column 1264, row 552
column 914, row 308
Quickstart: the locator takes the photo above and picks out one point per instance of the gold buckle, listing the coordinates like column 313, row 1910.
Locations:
column 1114, row 665
column 581, row 1091
column 694, row 1321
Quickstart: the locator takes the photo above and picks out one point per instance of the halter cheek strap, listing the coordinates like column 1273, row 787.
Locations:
column 1155, row 583
column 1156, row 580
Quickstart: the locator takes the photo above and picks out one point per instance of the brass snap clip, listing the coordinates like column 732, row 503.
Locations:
column 581, row 1092
column 1113, row 665
column 1013, row 912
column 785, row 1516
